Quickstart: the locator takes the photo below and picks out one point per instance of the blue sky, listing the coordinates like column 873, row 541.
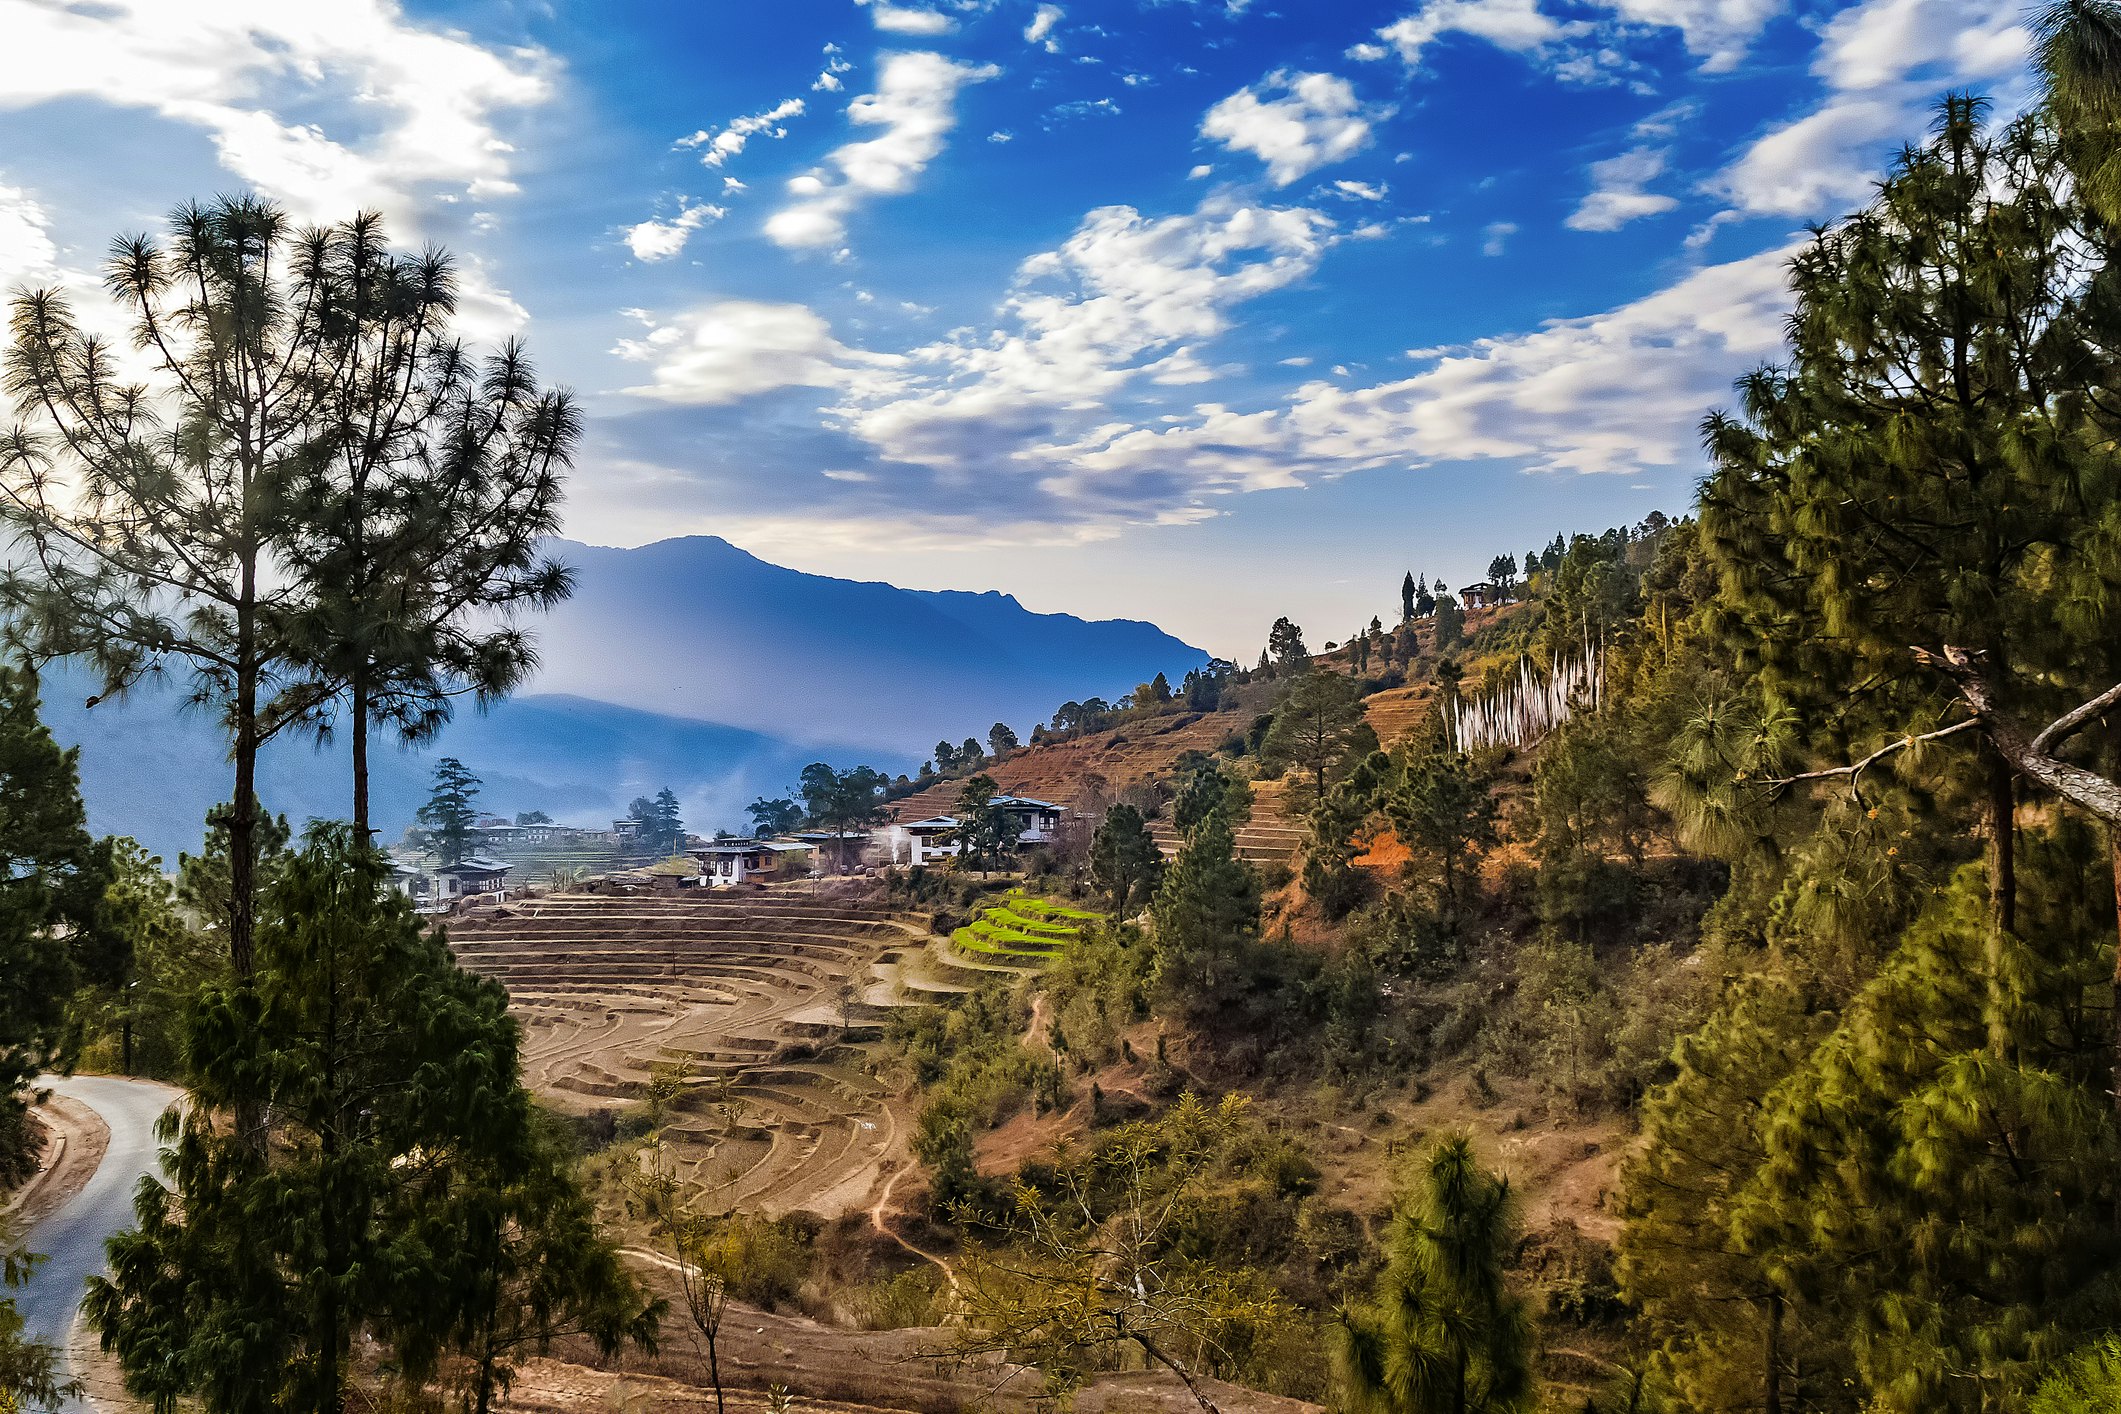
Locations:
column 1201, row 311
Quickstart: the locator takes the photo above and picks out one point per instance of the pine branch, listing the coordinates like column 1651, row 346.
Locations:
column 1855, row 770
column 2032, row 755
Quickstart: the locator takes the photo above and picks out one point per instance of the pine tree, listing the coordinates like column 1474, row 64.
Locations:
column 53, row 928
column 1285, row 648
column 1893, row 1207
column 1450, row 623
column 1001, row 740
column 1329, row 872
column 416, row 529
column 669, row 822
column 1205, row 919
column 1502, row 572
column 1318, row 726
column 1124, row 862
column 400, row 1132
column 452, row 809
column 1931, row 473
column 986, row 832
column 196, row 463
column 1722, row 1330
column 1205, row 788
column 1443, row 1333
column 1442, row 812
column 1406, row 597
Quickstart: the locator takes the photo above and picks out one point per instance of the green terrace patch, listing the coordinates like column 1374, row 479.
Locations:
column 1022, row 927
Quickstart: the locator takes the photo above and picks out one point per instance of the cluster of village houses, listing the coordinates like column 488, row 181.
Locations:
column 723, row 862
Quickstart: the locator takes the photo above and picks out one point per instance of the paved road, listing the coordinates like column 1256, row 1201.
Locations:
column 72, row 1237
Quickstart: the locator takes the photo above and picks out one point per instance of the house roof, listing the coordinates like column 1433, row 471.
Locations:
column 1025, row 800
column 731, row 847
column 475, row 865
column 936, row 822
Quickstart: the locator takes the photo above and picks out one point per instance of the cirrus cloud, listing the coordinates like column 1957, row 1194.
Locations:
column 915, row 104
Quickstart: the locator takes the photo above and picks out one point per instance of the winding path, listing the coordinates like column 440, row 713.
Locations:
column 71, row 1238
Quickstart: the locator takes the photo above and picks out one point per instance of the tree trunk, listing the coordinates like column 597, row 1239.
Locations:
column 243, row 836
column 1771, row 1397
column 359, row 711
column 2113, row 845
column 2001, row 813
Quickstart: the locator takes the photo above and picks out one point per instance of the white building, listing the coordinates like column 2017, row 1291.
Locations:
column 726, row 862
column 441, row 889
column 933, row 839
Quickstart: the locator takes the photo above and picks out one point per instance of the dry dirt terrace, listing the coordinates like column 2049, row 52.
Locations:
column 761, row 999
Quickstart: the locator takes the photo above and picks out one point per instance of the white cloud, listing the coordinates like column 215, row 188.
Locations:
column 659, row 240
column 1080, row 108
column 896, row 19
column 1126, row 301
column 1519, row 26
column 1610, row 393
column 727, row 142
column 1315, row 120
column 915, row 104
column 1040, row 30
column 1715, row 31
column 1001, row 135
column 835, row 65
column 1357, row 191
column 1883, row 62
column 427, row 100
column 733, row 349
column 1497, row 235
column 1201, row 170
column 27, row 253
column 1618, row 194
column 486, row 313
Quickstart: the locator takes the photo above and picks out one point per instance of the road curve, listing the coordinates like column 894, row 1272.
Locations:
column 71, row 1238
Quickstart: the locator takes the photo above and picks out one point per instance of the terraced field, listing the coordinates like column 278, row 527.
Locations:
column 763, row 1001
column 1268, row 837
column 1395, row 713
column 1021, row 930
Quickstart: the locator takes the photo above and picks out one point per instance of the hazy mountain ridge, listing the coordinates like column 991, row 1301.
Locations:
column 687, row 663
column 648, row 627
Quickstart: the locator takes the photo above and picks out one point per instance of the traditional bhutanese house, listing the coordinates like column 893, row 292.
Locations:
column 1038, row 819
column 1479, row 596
column 926, row 841
column 727, row 862
column 475, row 877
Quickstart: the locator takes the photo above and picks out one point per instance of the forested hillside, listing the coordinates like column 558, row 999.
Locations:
column 1768, row 850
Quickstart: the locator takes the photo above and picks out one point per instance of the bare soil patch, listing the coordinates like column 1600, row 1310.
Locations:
column 75, row 1138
